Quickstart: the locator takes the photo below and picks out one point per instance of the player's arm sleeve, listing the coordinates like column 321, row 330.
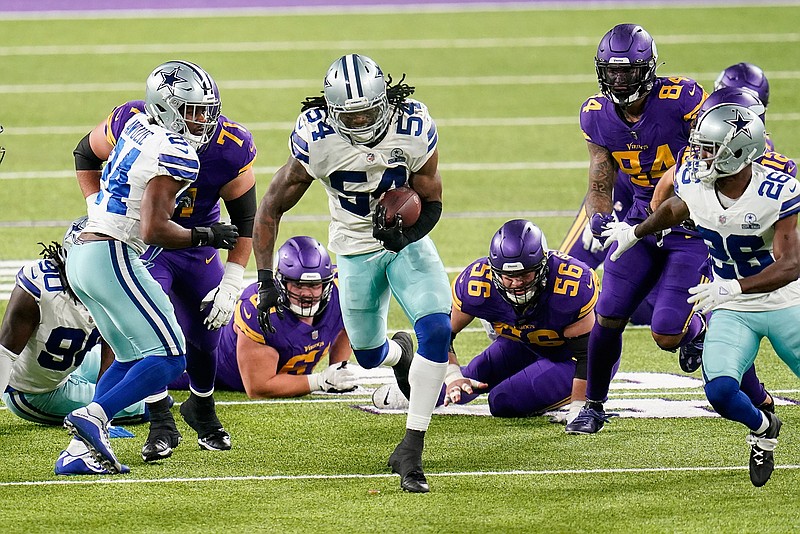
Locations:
column 243, row 212
column 579, row 346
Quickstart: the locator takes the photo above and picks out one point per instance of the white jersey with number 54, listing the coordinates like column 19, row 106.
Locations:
column 355, row 176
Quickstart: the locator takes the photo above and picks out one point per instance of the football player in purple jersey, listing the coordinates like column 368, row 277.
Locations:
column 267, row 364
column 540, row 304
column 637, row 124
column 202, row 289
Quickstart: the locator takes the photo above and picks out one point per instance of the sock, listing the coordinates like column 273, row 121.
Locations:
column 752, row 387
column 393, row 354
column 201, row 367
column 76, row 447
column 605, row 349
column 155, row 397
column 728, row 400
column 146, row 376
column 426, row 378
column 764, row 425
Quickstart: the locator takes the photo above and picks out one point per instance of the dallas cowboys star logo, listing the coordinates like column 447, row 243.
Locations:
column 741, row 125
column 170, row 80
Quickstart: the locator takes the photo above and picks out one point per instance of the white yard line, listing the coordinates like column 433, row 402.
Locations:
column 351, row 476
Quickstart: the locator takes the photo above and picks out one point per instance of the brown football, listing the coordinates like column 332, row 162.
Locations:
column 404, row 201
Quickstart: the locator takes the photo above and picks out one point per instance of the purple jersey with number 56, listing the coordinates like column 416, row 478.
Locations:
column 570, row 294
column 646, row 149
column 230, row 153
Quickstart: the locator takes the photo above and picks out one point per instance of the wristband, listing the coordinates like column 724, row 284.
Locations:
column 453, row 373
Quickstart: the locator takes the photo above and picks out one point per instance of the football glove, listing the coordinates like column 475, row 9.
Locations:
column 707, row 297
column 599, row 224
column 623, row 234
column 268, row 297
column 218, row 235
column 223, row 298
column 391, row 237
column 565, row 418
column 455, row 383
column 338, row 378
column 590, row 242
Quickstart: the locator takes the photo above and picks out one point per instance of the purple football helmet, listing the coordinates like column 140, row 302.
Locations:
column 519, row 248
column 734, row 95
column 303, row 260
column 626, row 63
column 747, row 76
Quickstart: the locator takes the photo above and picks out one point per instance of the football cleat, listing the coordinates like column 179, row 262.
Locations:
column 200, row 414
column 690, row 356
column 92, row 431
column 82, row 464
column 762, row 460
column 389, row 397
column 588, row 421
column 401, row 368
column 406, row 461
column 163, row 436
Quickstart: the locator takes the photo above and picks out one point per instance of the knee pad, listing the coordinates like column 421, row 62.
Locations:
column 371, row 358
column 433, row 337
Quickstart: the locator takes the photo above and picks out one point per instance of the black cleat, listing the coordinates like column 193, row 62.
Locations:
column 404, row 364
column 164, row 435
column 762, row 461
column 200, row 414
column 690, row 356
column 406, row 461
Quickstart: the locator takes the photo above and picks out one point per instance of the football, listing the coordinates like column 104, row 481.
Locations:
column 403, row 201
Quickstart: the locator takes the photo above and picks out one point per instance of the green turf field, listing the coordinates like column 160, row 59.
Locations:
column 505, row 88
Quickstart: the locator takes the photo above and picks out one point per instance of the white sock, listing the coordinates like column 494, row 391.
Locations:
column 392, row 355
column 764, row 424
column 426, row 379
column 206, row 394
column 96, row 410
column 156, row 396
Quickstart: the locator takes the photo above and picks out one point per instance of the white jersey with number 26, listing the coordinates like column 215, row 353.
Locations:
column 355, row 176
column 740, row 237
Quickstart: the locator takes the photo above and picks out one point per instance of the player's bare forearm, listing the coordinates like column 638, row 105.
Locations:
column 671, row 212
column 340, row 349
column 578, row 390
column 427, row 181
column 602, row 173
column 21, row 319
column 89, row 182
column 240, row 254
column 158, row 204
column 664, row 189
column 286, row 189
column 785, row 268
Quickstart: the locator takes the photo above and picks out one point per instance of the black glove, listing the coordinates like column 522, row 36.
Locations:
column 219, row 235
column 392, row 237
column 268, row 296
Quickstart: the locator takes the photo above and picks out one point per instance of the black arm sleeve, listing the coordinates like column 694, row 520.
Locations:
column 85, row 158
column 243, row 212
column 580, row 348
column 431, row 212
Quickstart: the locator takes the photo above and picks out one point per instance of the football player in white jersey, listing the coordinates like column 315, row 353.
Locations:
column 49, row 334
column 148, row 168
column 362, row 138
column 747, row 214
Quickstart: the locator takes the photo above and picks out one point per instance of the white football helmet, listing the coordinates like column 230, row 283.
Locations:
column 71, row 236
column 355, row 91
column 726, row 138
column 184, row 99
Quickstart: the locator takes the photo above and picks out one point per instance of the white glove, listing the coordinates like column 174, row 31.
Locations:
column 565, row 418
column 338, row 378
column 590, row 242
column 455, row 383
column 622, row 233
column 707, row 297
column 223, row 297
